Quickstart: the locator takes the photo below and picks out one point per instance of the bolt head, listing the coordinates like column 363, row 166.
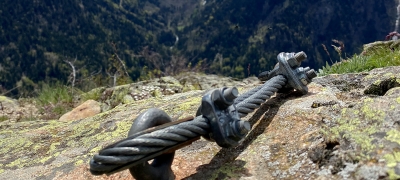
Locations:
column 304, row 81
column 244, row 127
column 311, row 74
column 300, row 56
column 230, row 94
column 293, row 62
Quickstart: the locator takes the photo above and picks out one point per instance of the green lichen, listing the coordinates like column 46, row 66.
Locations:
column 377, row 82
column 47, row 158
column 156, row 93
column 398, row 100
column 389, row 75
column 6, row 99
column 370, row 112
column 79, row 162
column 357, row 125
column 188, row 105
column 391, row 161
column 394, row 136
column 394, row 158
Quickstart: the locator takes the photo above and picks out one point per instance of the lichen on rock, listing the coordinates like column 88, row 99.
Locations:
column 337, row 131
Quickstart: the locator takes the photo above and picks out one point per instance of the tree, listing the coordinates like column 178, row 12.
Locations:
column 73, row 73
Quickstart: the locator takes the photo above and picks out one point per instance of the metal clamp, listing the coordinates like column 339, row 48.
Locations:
column 288, row 65
column 226, row 127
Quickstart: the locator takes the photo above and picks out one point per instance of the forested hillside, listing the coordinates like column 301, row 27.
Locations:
column 39, row 40
column 254, row 32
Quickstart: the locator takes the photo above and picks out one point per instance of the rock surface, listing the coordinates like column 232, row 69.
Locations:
column 159, row 87
column 14, row 110
column 370, row 47
column 87, row 109
column 346, row 127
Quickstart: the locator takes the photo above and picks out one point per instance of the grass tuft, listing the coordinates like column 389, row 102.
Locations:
column 379, row 57
column 55, row 100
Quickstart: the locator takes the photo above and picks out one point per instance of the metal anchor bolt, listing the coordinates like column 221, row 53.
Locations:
column 311, row 74
column 239, row 128
column 297, row 59
column 304, row 81
column 300, row 56
column 244, row 127
column 230, row 94
column 306, row 74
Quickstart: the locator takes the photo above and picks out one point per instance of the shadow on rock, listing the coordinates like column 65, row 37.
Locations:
column 259, row 122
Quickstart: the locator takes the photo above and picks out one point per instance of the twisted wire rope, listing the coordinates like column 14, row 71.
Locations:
column 251, row 101
column 133, row 149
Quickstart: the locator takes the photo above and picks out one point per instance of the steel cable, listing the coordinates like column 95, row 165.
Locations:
column 252, row 100
column 133, row 149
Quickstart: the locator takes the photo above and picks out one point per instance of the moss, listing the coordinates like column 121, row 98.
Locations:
column 3, row 118
column 94, row 94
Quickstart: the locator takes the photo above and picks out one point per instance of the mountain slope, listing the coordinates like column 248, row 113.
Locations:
column 234, row 38
column 253, row 32
column 37, row 36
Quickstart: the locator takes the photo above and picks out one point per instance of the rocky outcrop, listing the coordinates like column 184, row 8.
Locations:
column 159, row 87
column 346, row 127
column 17, row 110
column 371, row 47
column 87, row 109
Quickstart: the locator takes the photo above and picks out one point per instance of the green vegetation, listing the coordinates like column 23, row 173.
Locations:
column 110, row 43
column 55, row 100
column 376, row 58
column 3, row 118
